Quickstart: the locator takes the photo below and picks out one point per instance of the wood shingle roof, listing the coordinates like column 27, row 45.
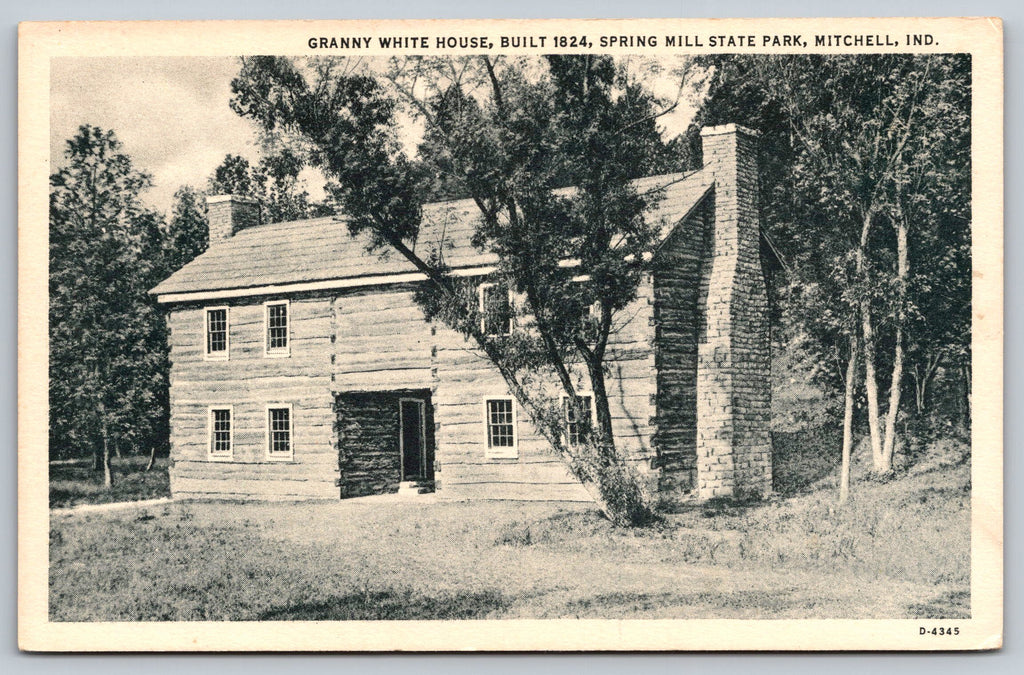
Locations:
column 322, row 250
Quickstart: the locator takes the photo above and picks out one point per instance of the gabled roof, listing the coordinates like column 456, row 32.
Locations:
column 321, row 250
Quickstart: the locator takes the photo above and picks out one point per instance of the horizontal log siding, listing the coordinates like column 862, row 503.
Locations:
column 677, row 283
column 248, row 382
column 375, row 340
column 464, row 378
column 382, row 341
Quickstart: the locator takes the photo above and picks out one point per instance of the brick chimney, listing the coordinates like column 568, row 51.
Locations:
column 227, row 214
column 734, row 451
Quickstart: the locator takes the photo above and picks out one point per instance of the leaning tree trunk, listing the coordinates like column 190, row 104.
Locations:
column 586, row 469
column 895, row 387
column 851, row 376
column 152, row 458
column 896, row 383
column 617, row 483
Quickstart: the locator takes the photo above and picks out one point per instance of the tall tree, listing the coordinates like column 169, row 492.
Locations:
column 107, row 341
column 571, row 260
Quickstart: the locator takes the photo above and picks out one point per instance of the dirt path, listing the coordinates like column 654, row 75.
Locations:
column 112, row 506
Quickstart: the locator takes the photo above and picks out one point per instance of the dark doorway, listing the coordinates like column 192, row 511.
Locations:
column 374, row 431
column 413, row 438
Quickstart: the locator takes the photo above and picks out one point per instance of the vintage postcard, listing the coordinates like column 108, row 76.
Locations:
column 511, row 335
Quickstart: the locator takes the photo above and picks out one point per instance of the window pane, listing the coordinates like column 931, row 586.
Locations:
column 497, row 315
column 216, row 330
column 220, row 440
column 280, row 431
column 500, row 427
column 576, row 433
column 277, row 326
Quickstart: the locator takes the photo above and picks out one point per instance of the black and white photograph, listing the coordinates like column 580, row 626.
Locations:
column 469, row 326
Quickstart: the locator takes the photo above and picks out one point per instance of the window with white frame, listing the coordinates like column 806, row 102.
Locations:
column 217, row 332
column 275, row 318
column 279, row 432
column 500, row 423
column 219, row 446
column 495, row 310
column 578, row 419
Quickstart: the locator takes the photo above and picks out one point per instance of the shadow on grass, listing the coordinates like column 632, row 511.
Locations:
column 761, row 602
column 77, row 483
column 802, row 458
column 951, row 605
column 390, row 604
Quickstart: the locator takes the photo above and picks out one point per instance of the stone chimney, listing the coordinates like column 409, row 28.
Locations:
column 734, row 451
column 227, row 214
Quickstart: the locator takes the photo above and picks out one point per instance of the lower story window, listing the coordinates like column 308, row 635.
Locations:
column 279, row 432
column 575, row 431
column 500, row 419
column 220, row 433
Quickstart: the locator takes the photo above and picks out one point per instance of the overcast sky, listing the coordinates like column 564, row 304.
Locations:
column 172, row 115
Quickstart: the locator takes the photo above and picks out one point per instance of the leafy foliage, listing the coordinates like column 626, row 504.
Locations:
column 188, row 233
column 108, row 364
column 273, row 182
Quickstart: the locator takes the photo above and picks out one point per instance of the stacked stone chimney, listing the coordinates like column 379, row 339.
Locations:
column 734, row 452
column 227, row 214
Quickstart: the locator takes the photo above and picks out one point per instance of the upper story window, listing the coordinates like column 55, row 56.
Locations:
column 495, row 310
column 500, row 421
column 279, row 432
column 592, row 321
column 576, row 432
column 220, row 438
column 275, row 317
column 217, row 336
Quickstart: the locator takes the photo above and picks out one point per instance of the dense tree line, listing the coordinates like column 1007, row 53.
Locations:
column 108, row 363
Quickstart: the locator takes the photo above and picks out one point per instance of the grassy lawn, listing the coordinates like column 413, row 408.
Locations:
column 76, row 483
column 897, row 550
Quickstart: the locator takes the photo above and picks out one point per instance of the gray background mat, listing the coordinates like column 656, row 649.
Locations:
column 1008, row 660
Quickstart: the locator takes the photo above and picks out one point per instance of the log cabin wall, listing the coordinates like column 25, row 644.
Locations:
column 382, row 342
column 678, row 291
column 249, row 381
column 381, row 353
column 376, row 340
column 465, row 379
